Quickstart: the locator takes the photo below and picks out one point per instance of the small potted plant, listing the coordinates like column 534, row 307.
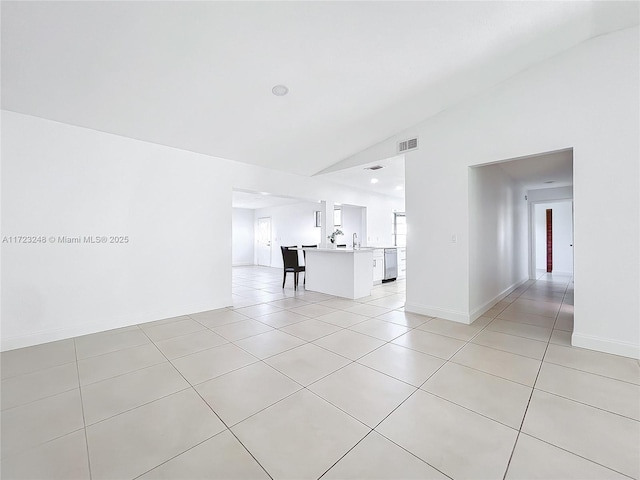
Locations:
column 333, row 236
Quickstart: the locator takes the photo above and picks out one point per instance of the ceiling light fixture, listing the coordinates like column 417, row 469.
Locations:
column 280, row 90
column 374, row 180
column 549, row 181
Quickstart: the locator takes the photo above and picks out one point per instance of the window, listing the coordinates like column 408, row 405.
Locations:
column 337, row 217
column 318, row 218
column 399, row 229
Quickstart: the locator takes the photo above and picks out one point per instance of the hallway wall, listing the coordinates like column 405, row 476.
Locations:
column 497, row 237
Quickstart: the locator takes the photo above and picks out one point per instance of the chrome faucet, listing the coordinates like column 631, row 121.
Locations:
column 355, row 240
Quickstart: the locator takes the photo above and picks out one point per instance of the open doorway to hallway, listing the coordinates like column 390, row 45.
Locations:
column 508, row 203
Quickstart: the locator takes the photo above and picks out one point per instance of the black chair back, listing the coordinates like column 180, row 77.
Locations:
column 304, row 254
column 342, row 245
column 289, row 257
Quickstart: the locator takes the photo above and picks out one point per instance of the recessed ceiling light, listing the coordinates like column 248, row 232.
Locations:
column 280, row 90
column 374, row 180
column 399, row 187
column 549, row 181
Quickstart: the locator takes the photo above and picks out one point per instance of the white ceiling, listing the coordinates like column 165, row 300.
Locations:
column 198, row 75
column 548, row 170
column 390, row 177
column 257, row 200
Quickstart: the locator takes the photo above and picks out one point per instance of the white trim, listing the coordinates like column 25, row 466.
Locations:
column 478, row 312
column 606, row 345
column 461, row 317
column 243, row 264
column 45, row 336
column 453, row 315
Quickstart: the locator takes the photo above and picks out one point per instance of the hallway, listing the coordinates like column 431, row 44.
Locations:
column 303, row 385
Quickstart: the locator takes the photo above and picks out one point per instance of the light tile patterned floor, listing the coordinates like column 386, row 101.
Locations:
column 303, row 385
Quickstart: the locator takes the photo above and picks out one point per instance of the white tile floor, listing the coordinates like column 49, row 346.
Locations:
column 304, row 385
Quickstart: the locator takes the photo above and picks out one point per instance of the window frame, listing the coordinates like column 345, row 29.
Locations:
column 395, row 228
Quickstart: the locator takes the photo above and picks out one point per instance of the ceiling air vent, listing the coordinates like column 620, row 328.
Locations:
column 406, row 145
column 375, row 167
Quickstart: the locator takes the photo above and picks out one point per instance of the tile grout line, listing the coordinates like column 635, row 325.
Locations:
column 576, row 455
column 109, row 353
column 345, row 454
column 121, row 374
column 533, row 387
column 181, row 453
column 24, row 404
column 84, row 421
column 587, row 371
column 138, row 406
column 588, row 405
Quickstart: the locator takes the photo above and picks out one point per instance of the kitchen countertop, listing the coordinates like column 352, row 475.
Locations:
column 339, row 250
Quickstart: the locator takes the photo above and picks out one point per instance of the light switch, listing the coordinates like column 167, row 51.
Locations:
column 454, row 238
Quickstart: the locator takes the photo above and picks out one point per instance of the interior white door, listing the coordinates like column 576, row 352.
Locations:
column 264, row 241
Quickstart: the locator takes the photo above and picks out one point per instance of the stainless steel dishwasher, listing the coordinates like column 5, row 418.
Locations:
column 390, row 264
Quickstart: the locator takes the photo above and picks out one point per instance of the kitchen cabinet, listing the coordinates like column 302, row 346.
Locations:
column 402, row 262
column 378, row 265
column 341, row 272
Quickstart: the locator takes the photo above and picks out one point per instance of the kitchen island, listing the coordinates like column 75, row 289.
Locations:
column 339, row 271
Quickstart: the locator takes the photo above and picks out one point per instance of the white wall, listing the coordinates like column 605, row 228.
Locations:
column 59, row 180
column 243, row 236
column 497, row 237
column 562, row 237
column 585, row 98
column 353, row 221
column 380, row 223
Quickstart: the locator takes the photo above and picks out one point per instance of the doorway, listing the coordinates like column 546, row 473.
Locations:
column 561, row 212
column 264, row 241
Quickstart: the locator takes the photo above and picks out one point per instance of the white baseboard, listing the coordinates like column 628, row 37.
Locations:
column 606, row 345
column 458, row 316
column 453, row 315
column 243, row 264
column 482, row 309
column 52, row 335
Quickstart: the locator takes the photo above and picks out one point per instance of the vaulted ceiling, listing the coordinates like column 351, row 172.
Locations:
column 198, row 75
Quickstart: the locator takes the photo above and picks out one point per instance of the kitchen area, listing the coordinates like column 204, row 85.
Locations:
column 368, row 246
